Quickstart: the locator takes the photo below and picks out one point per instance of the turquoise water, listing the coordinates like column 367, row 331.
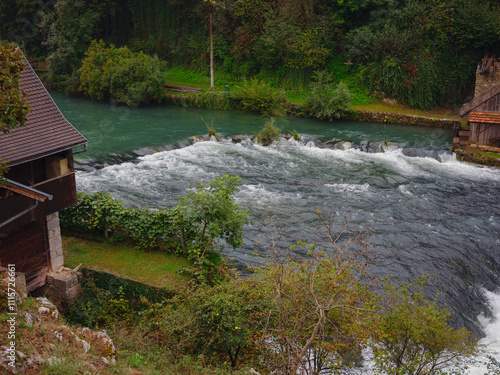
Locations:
column 118, row 130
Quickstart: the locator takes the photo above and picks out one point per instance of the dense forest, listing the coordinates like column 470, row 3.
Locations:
column 423, row 53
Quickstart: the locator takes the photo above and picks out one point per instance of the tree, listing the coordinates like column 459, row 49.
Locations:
column 322, row 302
column 69, row 37
column 325, row 306
column 121, row 76
column 221, row 322
column 213, row 5
column 210, row 215
column 14, row 107
column 414, row 337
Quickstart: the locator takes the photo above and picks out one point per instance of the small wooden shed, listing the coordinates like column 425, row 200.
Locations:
column 484, row 109
column 40, row 182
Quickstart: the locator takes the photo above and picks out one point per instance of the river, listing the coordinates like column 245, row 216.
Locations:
column 430, row 213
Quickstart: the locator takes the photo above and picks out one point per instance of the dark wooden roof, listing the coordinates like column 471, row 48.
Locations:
column 476, row 102
column 485, row 117
column 46, row 131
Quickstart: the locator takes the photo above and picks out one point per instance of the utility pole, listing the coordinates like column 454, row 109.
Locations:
column 211, row 55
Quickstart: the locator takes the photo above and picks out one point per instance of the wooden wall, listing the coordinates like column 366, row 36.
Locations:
column 491, row 105
column 481, row 134
column 27, row 249
column 62, row 188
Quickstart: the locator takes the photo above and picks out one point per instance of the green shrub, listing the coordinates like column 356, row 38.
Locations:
column 120, row 75
column 269, row 133
column 206, row 215
column 258, row 96
column 414, row 336
column 221, row 322
column 211, row 129
column 327, row 101
column 213, row 99
column 296, row 135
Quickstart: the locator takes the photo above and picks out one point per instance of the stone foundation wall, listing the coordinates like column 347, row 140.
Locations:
column 61, row 287
column 55, row 241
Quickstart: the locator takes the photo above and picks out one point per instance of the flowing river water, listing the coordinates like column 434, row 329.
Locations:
column 430, row 213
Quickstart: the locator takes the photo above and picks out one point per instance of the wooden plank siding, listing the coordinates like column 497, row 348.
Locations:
column 27, row 249
column 478, row 101
column 63, row 189
column 490, row 105
column 482, row 134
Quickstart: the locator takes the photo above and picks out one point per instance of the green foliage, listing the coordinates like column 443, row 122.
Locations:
column 415, row 337
column 258, row 96
column 307, row 51
column 109, row 299
column 212, row 99
column 208, row 214
column 13, row 105
column 211, row 129
column 120, row 75
column 424, row 54
column 269, row 133
column 137, row 361
column 321, row 309
column 194, row 228
column 220, row 322
column 280, row 42
column 100, row 214
column 327, row 101
column 68, row 38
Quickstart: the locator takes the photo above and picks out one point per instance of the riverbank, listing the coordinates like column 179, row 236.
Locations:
column 477, row 156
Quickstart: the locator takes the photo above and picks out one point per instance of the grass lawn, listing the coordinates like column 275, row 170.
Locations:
column 154, row 268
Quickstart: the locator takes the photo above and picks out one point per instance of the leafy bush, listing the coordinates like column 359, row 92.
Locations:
column 258, row 96
column 213, row 99
column 206, row 215
column 269, row 133
column 222, row 321
column 414, row 336
column 13, row 105
column 327, row 101
column 120, row 75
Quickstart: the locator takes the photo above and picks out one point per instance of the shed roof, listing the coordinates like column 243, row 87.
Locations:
column 485, row 117
column 46, row 131
column 476, row 102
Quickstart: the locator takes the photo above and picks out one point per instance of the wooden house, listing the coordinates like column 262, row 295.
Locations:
column 484, row 109
column 40, row 182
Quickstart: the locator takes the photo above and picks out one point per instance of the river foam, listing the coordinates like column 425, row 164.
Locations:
column 491, row 328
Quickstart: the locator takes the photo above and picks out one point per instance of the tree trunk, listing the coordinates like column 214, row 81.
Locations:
column 320, row 323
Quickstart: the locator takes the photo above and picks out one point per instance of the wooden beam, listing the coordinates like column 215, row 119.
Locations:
column 26, row 191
